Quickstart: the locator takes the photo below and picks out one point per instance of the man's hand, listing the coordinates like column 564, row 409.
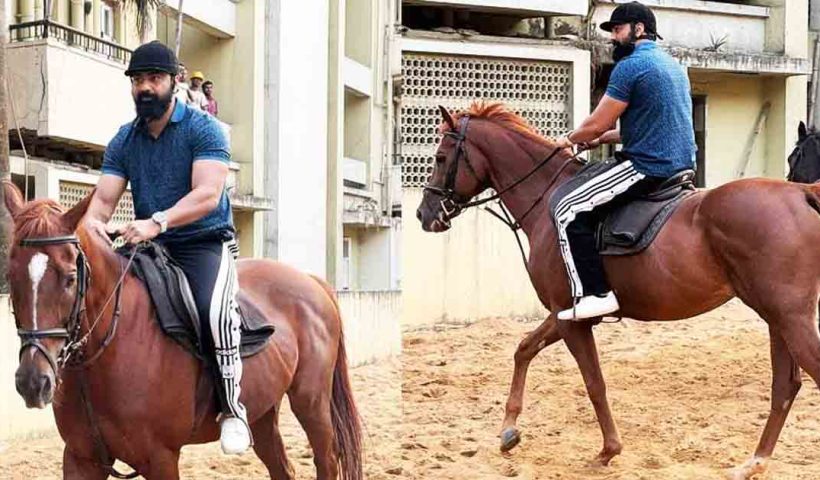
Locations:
column 139, row 231
column 565, row 144
column 582, row 147
column 100, row 229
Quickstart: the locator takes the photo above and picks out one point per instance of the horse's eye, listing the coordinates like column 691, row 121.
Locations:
column 70, row 280
column 440, row 158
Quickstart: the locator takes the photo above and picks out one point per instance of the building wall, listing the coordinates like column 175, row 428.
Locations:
column 371, row 325
column 471, row 272
column 733, row 104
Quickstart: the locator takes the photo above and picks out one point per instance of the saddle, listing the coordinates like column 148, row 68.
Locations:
column 176, row 311
column 630, row 228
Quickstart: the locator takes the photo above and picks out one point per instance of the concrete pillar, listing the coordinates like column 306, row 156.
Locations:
column 335, row 147
column 95, row 21
column 77, row 15
column 119, row 24
column 38, row 10
column 61, row 11
column 302, row 212
column 25, row 9
column 788, row 98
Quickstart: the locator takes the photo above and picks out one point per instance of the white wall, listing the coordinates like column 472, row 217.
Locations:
column 217, row 15
column 302, row 90
column 371, row 325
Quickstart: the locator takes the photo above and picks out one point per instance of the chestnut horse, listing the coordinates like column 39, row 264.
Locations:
column 137, row 396
column 755, row 239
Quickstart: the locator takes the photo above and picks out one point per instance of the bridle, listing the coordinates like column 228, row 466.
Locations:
column 453, row 204
column 75, row 341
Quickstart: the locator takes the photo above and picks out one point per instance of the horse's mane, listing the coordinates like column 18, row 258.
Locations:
column 498, row 113
column 39, row 218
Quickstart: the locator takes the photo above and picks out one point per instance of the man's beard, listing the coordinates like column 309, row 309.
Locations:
column 622, row 50
column 151, row 107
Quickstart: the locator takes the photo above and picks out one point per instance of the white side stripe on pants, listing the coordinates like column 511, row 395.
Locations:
column 595, row 192
column 225, row 322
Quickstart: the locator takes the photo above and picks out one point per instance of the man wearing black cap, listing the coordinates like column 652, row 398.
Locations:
column 649, row 93
column 176, row 158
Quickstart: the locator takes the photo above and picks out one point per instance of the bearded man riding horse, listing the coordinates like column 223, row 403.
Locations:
column 90, row 331
column 756, row 239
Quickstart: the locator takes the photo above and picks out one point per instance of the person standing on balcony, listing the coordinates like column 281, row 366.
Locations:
column 208, row 90
column 176, row 158
column 197, row 96
column 181, row 89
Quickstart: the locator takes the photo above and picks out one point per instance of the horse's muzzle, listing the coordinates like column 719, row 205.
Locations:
column 36, row 388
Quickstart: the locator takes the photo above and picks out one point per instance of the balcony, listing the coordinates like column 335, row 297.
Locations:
column 702, row 25
column 215, row 17
column 67, row 87
column 523, row 8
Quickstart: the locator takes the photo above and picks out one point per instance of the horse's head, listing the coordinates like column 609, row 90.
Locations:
column 460, row 173
column 804, row 161
column 45, row 273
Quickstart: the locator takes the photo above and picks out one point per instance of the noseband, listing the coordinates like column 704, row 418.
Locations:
column 69, row 333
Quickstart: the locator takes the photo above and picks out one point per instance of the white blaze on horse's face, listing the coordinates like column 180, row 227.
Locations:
column 36, row 270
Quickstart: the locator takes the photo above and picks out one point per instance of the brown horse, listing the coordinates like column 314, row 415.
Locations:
column 138, row 396
column 755, row 239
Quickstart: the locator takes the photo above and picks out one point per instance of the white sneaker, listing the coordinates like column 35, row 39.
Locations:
column 234, row 436
column 591, row 306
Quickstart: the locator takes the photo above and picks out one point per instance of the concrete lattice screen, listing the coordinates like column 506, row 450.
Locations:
column 72, row 192
column 538, row 90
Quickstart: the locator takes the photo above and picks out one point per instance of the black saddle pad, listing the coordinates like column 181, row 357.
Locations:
column 630, row 228
column 175, row 307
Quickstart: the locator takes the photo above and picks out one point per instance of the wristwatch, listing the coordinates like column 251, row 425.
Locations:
column 161, row 219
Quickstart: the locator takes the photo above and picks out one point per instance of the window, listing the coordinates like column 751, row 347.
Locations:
column 106, row 22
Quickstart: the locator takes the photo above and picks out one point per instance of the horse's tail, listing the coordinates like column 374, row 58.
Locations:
column 813, row 196
column 347, row 427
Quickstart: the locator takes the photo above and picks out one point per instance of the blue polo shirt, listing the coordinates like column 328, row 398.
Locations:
column 160, row 169
column 656, row 127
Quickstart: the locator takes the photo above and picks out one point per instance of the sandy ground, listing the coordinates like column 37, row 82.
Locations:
column 690, row 399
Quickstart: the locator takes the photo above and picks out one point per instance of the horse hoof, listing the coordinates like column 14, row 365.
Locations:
column 510, row 438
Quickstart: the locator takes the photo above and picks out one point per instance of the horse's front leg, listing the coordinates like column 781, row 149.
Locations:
column 545, row 335
column 163, row 464
column 77, row 468
column 581, row 343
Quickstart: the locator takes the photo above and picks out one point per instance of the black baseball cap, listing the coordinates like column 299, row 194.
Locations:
column 632, row 12
column 153, row 57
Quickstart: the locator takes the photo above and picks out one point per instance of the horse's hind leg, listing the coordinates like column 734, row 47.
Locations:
column 581, row 343
column 545, row 335
column 269, row 447
column 312, row 409
column 785, row 385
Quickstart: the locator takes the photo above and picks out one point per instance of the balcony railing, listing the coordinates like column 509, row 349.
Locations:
column 70, row 36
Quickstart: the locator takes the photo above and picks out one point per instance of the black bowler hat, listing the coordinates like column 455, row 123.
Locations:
column 632, row 12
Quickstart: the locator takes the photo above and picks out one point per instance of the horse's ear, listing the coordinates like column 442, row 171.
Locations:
column 13, row 197
column 447, row 117
column 72, row 217
column 802, row 133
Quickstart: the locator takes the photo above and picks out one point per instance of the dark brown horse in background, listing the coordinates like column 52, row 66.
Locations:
column 755, row 239
column 139, row 397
